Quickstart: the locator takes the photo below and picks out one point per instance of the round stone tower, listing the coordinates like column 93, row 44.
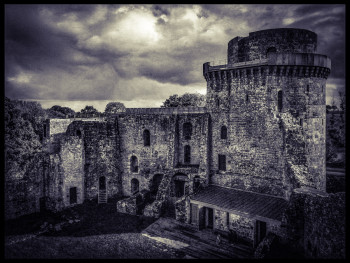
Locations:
column 271, row 99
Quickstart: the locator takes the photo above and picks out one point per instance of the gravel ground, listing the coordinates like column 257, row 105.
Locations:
column 126, row 245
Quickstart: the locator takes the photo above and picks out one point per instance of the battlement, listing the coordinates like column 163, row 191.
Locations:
column 276, row 59
column 281, row 40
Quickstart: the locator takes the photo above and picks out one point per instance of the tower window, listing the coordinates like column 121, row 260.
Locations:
column 271, row 50
column 301, row 122
column 134, row 168
column 187, row 154
column 223, row 133
column 280, row 100
column 247, row 98
column 307, row 88
column 146, row 138
column 44, row 130
column 222, row 162
column 187, row 130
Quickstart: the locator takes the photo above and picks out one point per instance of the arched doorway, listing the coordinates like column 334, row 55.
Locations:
column 134, row 186
column 102, row 190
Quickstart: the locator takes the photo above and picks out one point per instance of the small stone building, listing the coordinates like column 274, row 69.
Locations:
column 233, row 164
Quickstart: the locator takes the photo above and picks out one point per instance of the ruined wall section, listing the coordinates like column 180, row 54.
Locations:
column 23, row 194
column 100, row 155
column 72, row 156
column 152, row 159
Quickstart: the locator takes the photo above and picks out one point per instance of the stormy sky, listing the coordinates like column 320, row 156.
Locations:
column 77, row 55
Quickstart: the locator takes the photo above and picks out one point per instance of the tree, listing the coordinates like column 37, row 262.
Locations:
column 23, row 131
column 88, row 111
column 57, row 111
column 114, row 107
column 186, row 100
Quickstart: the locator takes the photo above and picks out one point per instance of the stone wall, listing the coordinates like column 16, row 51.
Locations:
column 22, row 194
column 255, row 46
column 243, row 226
column 72, row 155
column 324, row 232
column 151, row 159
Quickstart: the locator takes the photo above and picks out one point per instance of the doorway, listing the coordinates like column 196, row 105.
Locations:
column 260, row 231
column 209, row 217
column 73, row 195
column 102, row 192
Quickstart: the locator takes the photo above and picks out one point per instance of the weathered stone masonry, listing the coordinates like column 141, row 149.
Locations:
column 261, row 135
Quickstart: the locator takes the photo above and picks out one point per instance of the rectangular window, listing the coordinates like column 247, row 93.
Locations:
column 73, row 195
column 222, row 162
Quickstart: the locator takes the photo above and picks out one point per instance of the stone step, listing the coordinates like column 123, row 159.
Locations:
column 199, row 247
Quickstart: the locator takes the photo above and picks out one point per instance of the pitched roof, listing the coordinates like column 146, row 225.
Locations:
column 243, row 201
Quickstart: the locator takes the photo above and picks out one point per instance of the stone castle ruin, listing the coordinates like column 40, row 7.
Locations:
column 250, row 161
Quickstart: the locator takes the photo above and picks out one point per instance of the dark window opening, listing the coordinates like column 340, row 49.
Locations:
column 271, row 50
column 222, row 162
column 44, row 130
column 217, row 102
column 102, row 183
column 179, row 188
column 146, row 138
column 78, row 133
column 223, row 133
column 196, row 183
column 247, row 98
column 134, row 186
column 187, row 154
column 228, row 219
column 157, row 179
column 73, row 195
column 307, row 88
column 134, row 164
column 187, row 130
column 301, row 122
column 280, row 100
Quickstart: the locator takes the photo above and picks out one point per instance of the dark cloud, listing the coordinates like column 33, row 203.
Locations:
column 92, row 51
column 158, row 10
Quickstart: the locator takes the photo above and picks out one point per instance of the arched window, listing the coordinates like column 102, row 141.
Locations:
column 223, row 133
column 146, row 138
column 78, row 133
column 187, row 154
column 280, row 100
column 134, row 186
column 187, row 130
column 134, row 166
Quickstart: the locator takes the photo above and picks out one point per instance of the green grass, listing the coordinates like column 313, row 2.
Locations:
column 101, row 233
